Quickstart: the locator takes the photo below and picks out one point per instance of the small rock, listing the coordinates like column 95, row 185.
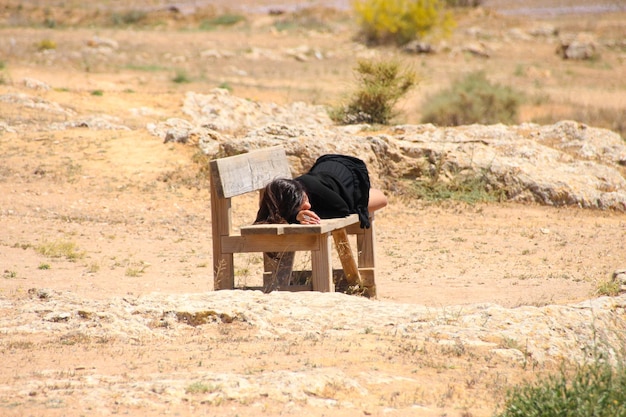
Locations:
column 36, row 84
column 417, row 47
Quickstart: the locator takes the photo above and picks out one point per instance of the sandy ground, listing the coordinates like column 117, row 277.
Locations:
column 136, row 212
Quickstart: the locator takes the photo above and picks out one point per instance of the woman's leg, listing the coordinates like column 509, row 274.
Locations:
column 377, row 201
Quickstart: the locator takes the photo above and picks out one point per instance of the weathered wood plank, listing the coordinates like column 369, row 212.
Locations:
column 223, row 264
column 249, row 172
column 321, row 265
column 326, row 225
column 262, row 243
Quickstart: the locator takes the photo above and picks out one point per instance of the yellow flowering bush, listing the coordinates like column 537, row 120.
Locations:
column 401, row 21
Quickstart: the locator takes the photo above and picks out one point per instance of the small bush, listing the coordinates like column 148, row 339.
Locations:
column 595, row 389
column 473, row 100
column 46, row 44
column 181, row 77
column 401, row 21
column 609, row 288
column 380, row 85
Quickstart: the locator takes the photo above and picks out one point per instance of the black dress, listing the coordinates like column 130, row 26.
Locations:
column 338, row 185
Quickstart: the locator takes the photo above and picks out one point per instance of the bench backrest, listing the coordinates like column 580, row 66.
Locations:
column 240, row 174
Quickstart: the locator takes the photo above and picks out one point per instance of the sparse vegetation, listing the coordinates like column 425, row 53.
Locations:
column 60, row 249
column 127, row 18
column 181, row 77
column 227, row 19
column 93, row 267
column 109, row 318
column 474, row 99
column 595, row 388
column 380, row 84
column 610, row 288
column 199, row 388
column 9, row 274
column 136, row 269
column 468, row 187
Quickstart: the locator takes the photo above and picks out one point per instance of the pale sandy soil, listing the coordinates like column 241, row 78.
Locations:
column 122, row 198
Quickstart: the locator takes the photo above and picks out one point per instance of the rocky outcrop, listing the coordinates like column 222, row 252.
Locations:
column 567, row 163
column 524, row 336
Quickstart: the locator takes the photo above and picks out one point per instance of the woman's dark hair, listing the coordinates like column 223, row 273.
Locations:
column 280, row 201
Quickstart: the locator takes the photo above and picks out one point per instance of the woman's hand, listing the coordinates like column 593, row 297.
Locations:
column 307, row 217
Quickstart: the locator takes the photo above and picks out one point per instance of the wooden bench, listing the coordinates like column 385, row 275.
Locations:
column 237, row 175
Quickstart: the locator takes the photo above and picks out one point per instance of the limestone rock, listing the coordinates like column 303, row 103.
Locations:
column 567, row 163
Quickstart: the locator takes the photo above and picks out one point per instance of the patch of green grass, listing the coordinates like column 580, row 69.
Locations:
column 470, row 189
column 60, row 249
column 226, row 86
column 43, row 266
column 147, row 68
column 181, row 77
column 227, row 19
column 609, row 288
column 199, row 388
column 97, row 93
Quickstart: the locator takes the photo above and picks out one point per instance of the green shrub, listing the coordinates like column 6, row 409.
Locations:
column 473, row 100
column 595, row 389
column 380, row 85
column 181, row 77
column 401, row 21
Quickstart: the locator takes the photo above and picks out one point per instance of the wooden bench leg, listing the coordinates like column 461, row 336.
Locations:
column 223, row 272
column 366, row 255
column 350, row 269
column 321, row 265
column 278, row 268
